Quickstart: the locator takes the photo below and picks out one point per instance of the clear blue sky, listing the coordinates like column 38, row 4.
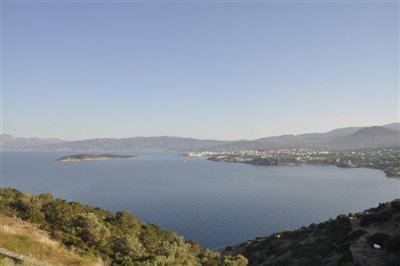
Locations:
column 205, row 70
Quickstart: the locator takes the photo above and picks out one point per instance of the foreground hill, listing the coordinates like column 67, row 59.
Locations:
column 118, row 239
column 25, row 238
column 368, row 238
column 69, row 233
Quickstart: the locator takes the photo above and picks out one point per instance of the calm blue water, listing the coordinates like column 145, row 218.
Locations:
column 218, row 204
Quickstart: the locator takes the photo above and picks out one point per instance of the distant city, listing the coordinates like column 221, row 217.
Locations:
column 386, row 159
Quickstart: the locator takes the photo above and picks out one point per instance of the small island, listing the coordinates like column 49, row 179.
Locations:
column 94, row 157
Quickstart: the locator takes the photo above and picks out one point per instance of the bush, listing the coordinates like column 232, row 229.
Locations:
column 392, row 244
column 235, row 261
column 342, row 248
column 283, row 262
column 379, row 217
column 58, row 215
column 395, row 204
column 209, row 258
column 346, row 258
column 87, row 227
column 393, row 261
column 128, row 245
column 356, row 234
column 126, row 223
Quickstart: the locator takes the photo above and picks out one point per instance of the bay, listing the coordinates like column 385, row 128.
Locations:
column 215, row 203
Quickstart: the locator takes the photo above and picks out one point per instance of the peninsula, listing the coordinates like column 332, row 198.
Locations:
column 385, row 159
column 94, row 157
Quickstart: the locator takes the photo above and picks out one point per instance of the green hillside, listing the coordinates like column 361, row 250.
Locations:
column 118, row 239
column 70, row 233
column 346, row 240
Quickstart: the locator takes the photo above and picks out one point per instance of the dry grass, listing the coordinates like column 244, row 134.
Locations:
column 26, row 239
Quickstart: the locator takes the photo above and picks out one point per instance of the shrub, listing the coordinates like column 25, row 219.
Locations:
column 393, row 261
column 392, row 244
column 126, row 223
column 58, row 215
column 380, row 217
column 342, row 248
column 283, row 262
column 395, row 204
column 87, row 227
column 356, row 234
column 235, row 261
column 346, row 258
column 249, row 249
column 128, row 245
column 209, row 258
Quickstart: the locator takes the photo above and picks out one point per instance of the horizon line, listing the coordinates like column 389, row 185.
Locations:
column 185, row 137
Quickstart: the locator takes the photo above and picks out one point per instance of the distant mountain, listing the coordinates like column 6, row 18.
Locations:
column 393, row 126
column 9, row 142
column 163, row 143
column 342, row 138
column 340, row 132
column 369, row 137
column 374, row 131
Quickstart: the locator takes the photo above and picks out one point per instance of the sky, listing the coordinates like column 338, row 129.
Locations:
column 203, row 69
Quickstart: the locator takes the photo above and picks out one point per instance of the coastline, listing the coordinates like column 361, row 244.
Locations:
column 213, row 159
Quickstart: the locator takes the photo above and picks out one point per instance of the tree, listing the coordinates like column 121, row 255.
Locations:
column 58, row 214
column 129, row 245
column 90, row 230
column 127, row 223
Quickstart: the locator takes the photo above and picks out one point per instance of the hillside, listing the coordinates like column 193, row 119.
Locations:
column 27, row 239
column 346, row 240
column 393, row 126
column 69, row 233
column 370, row 137
column 118, row 239
column 9, row 142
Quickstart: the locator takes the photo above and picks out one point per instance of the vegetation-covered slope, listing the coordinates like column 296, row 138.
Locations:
column 25, row 238
column 82, row 234
column 346, row 240
column 119, row 239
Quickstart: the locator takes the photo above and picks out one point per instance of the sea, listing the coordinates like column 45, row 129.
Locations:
column 217, row 204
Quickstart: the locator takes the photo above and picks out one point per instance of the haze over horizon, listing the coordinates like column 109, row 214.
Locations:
column 223, row 71
column 113, row 137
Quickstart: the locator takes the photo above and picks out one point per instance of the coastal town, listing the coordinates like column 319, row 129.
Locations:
column 385, row 159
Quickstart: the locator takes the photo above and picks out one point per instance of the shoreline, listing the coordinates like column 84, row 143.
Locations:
column 299, row 164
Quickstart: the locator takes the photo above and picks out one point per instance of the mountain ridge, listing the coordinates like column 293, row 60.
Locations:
column 340, row 138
